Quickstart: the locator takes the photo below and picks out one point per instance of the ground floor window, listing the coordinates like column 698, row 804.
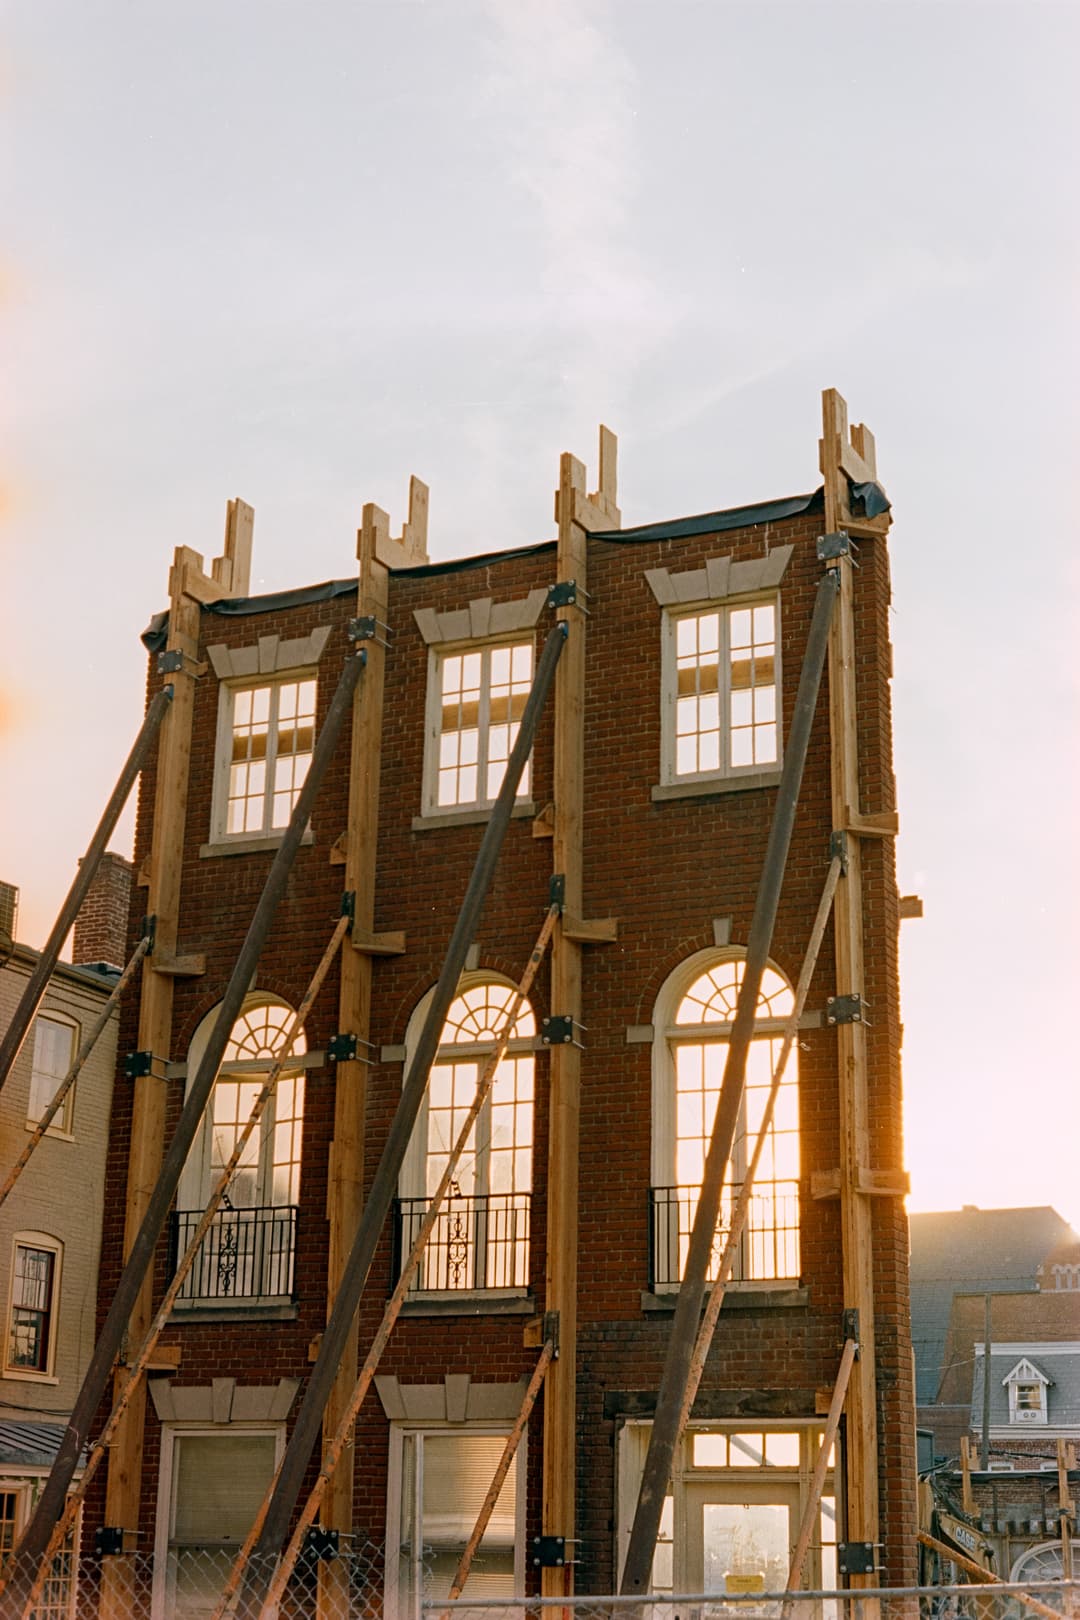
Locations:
column 212, row 1484
column 438, row 1480
column 57, row 1600
column 737, row 1498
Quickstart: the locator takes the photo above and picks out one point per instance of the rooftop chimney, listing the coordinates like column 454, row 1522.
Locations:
column 101, row 926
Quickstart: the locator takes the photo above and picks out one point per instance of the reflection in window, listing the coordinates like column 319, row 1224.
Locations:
column 482, row 696
column 724, row 691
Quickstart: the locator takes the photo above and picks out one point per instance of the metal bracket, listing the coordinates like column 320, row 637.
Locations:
column 149, row 929
column 108, row 1541
column 832, row 546
column 321, row 1544
column 844, row 1010
column 838, row 846
column 341, row 1048
column 566, row 594
column 558, row 1030
column 367, row 628
column 557, row 890
column 849, row 1329
column 551, row 1331
column 136, row 1064
column 174, row 660
column 548, row 1552
column 856, row 1558
column 348, row 905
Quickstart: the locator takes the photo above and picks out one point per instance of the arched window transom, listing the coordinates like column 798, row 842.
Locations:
column 694, row 1018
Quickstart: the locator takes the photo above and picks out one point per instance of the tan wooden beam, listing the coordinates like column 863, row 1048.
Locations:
column 593, row 931
column 544, row 824
column 871, row 1183
column 861, row 1452
column 967, row 1495
column 180, row 967
column 911, row 906
column 123, row 1488
column 378, row 944
column 879, row 824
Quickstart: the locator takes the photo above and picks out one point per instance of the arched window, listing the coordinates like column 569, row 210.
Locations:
column 248, row 1253
column 481, row 1239
column 692, row 1023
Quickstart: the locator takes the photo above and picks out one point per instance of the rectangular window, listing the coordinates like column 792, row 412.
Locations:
column 266, row 737
column 722, row 692
column 444, row 1477
column 478, row 698
column 33, row 1284
column 211, row 1487
column 54, row 1053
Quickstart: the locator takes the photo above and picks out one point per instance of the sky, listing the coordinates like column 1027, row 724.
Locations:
column 298, row 252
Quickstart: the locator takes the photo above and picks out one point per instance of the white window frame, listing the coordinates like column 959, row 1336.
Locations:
column 412, row 1183
column 197, row 1176
column 398, row 1430
column 665, row 1034
column 170, row 1434
column 54, row 1246
column 670, row 776
column 1025, row 1375
column 266, row 834
column 431, row 809
column 63, row 1125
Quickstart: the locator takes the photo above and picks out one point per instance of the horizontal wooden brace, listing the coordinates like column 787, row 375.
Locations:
column 180, row 967
column 590, row 931
column 200, row 589
column 863, row 528
column 166, row 1358
column 871, row 1183
column 377, row 944
column 911, row 905
column 593, row 515
column 878, row 824
column 544, row 824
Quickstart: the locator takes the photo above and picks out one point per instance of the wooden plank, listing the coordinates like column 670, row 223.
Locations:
column 544, row 824
column 910, row 906
column 378, row 944
column 861, row 1451
column 879, row 824
column 967, row 1495
column 593, row 931
column 871, row 1183
column 179, row 967
column 821, row 1467
column 560, row 1401
column 155, row 1035
column 591, row 517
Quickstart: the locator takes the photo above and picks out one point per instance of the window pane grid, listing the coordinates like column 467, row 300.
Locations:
column 273, row 734
column 725, row 695
column 482, row 699
column 54, row 1053
column 31, row 1308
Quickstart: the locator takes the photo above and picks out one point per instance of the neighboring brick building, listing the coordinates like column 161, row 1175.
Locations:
column 695, row 637
column 50, row 1224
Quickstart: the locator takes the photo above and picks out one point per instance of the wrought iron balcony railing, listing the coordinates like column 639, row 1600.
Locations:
column 247, row 1254
column 477, row 1243
column 768, row 1249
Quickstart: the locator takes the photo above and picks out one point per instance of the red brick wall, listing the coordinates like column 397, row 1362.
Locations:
column 665, row 870
column 101, row 927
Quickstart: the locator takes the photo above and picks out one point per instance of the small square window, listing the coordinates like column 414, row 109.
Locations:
column 266, row 734
column 54, row 1053
column 721, row 692
column 476, row 699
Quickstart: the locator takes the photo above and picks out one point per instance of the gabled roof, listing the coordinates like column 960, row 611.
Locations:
column 1026, row 1372
column 983, row 1250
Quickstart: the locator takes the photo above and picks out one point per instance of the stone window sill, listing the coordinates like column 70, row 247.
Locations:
column 700, row 787
column 240, row 1311
column 745, row 1297
column 249, row 846
column 471, row 1304
column 467, row 818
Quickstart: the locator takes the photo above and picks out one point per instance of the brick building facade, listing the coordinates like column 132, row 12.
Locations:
column 676, row 818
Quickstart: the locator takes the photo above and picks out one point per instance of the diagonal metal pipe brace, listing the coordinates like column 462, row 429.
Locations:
column 51, row 1502
column 384, row 1185
column 30, row 999
column 665, row 1431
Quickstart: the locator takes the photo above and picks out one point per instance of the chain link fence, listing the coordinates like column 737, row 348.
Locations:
column 349, row 1583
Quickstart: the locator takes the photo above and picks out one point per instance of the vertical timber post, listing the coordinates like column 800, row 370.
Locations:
column 861, row 1477
column 576, row 513
column 188, row 586
column 344, row 1198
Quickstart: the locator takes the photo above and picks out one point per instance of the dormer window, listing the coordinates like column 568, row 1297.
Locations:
column 1027, row 1388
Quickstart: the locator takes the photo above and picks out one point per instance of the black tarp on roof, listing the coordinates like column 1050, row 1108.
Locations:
column 870, row 498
